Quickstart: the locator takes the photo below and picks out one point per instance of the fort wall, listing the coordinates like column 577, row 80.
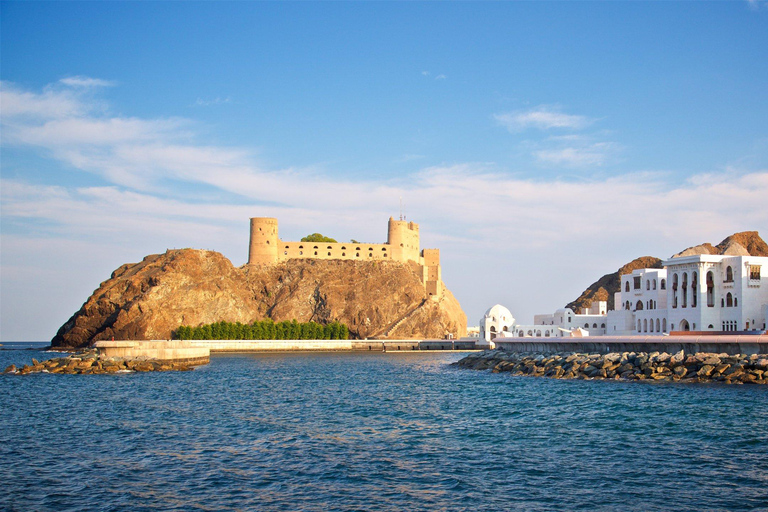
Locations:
column 402, row 245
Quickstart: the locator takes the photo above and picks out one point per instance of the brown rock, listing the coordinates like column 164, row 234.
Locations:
column 149, row 299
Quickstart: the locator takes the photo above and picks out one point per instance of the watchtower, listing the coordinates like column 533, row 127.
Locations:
column 403, row 236
column 264, row 241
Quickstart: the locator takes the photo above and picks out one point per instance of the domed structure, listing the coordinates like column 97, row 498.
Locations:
column 496, row 320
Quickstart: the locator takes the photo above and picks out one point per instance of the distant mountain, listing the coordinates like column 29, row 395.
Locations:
column 746, row 243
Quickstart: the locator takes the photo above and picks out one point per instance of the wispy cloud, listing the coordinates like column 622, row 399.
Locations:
column 86, row 82
column 215, row 101
column 543, row 118
column 756, row 5
column 440, row 77
column 481, row 216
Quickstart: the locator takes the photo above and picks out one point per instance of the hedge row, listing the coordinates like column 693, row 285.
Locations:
column 264, row 330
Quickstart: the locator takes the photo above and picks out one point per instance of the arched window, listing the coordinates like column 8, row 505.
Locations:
column 586, row 326
column 639, row 306
column 664, row 325
column 657, row 325
column 710, row 289
column 735, row 302
column 729, row 300
column 594, row 326
column 546, row 334
column 663, row 284
column 602, row 326
column 639, row 326
column 694, row 289
column 626, row 288
column 628, row 306
column 674, row 291
column 329, row 247
column 651, row 328
column 684, row 293
column 654, row 284
column 647, row 284
column 728, row 274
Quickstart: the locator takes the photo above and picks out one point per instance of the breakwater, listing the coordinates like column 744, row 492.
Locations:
column 90, row 363
column 658, row 366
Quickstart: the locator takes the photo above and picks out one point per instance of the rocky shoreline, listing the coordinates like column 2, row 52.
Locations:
column 90, row 363
column 656, row 366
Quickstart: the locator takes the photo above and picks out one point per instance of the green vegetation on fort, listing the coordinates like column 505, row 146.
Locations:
column 264, row 330
column 317, row 237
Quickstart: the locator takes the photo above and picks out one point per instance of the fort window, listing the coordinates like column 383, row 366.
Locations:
column 385, row 255
column 370, row 255
column 315, row 253
column 285, row 253
column 301, row 247
column 329, row 247
column 301, row 253
column 357, row 255
column 329, row 254
column 343, row 254
column 267, row 242
column 286, row 247
column 370, row 248
column 401, row 245
column 343, row 248
column 357, row 248
column 729, row 274
column 315, row 247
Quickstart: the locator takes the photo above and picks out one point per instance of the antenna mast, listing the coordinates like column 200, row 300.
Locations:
column 401, row 207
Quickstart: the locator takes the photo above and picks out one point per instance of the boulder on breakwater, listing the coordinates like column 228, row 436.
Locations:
column 91, row 363
column 699, row 367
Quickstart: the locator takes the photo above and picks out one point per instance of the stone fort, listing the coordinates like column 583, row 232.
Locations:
column 402, row 245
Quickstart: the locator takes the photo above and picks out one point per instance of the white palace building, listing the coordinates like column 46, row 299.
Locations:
column 702, row 292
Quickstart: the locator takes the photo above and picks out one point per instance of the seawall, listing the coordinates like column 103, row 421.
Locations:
column 330, row 345
column 728, row 344
column 160, row 350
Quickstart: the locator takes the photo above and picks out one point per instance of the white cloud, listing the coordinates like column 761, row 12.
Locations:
column 440, row 77
column 425, row 73
column 543, row 118
column 594, row 154
column 86, row 82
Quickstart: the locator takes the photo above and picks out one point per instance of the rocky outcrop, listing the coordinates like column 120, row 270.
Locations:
column 745, row 243
column 606, row 286
column 90, row 363
column 149, row 299
column 699, row 367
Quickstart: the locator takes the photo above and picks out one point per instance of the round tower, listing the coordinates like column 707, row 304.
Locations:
column 264, row 241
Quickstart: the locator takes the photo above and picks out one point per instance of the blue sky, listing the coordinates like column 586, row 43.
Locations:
column 539, row 144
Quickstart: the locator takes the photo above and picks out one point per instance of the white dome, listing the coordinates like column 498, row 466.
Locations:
column 501, row 314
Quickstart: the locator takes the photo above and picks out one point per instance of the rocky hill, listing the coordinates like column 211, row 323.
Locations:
column 745, row 243
column 149, row 299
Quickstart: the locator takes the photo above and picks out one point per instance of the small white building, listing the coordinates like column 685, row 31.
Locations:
column 558, row 324
column 496, row 320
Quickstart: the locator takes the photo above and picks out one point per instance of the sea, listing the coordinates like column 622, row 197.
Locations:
column 373, row 431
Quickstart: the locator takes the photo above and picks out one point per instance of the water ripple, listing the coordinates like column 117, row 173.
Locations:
column 374, row 432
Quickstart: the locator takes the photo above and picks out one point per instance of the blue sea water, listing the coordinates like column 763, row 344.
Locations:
column 360, row 431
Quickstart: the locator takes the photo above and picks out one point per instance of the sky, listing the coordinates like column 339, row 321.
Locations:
column 539, row 145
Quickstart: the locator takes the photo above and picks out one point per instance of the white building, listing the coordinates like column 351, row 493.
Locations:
column 702, row 292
